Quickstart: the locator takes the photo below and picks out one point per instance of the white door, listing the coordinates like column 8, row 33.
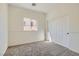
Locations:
column 59, row 30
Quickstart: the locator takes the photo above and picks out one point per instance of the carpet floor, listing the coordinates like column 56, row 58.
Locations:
column 42, row 48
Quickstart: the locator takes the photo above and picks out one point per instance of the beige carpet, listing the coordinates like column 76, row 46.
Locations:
column 43, row 48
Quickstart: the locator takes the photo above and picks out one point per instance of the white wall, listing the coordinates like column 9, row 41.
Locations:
column 72, row 11
column 3, row 28
column 17, row 35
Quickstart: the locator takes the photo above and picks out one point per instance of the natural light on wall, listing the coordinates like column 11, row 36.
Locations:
column 30, row 24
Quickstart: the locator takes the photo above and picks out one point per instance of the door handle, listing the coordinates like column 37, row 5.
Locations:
column 67, row 33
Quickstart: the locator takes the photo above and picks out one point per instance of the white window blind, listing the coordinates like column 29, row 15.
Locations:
column 30, row 24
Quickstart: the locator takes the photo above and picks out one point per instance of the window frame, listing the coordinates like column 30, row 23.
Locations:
column 31, row 25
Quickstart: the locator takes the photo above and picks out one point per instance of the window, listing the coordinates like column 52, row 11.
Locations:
column 30, row 24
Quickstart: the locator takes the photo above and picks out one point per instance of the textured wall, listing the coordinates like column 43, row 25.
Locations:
column 3, row 28
column 16, row 33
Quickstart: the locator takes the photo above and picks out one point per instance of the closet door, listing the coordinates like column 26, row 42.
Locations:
column 59, row 30
column 65, row 30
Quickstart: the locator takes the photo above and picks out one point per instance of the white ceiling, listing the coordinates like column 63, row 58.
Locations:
column 42, row 7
